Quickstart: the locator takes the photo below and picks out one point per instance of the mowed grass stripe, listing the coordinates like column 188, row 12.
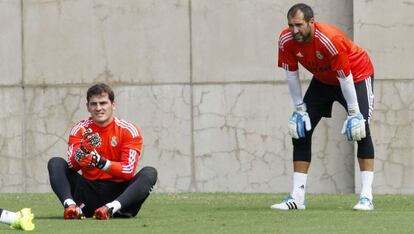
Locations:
column 227, row 213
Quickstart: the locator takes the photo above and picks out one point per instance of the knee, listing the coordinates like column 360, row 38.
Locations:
column 365, row 145
column 302, row 143
column 365, row 148
column 56, row 163
column 302, row 149
column 151, row 173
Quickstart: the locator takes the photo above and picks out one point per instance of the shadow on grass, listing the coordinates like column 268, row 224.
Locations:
column 37, row 217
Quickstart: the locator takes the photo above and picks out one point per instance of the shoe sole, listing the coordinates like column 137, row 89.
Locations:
column 363, row 209
column 298, row 208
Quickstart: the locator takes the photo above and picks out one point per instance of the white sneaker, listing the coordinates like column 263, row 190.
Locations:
column 364, row 203
column 289, row 203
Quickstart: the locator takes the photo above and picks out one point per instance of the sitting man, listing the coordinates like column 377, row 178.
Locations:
column 106, row 151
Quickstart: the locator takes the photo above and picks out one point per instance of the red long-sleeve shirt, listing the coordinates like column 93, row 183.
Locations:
column 121, row 144
column 328, row 55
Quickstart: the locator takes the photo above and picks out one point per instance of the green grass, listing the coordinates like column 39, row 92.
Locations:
column 227, row 213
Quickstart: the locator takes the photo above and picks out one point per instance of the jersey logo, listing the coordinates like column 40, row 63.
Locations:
column 299, row 54
column 319, row 55
column 113, row 141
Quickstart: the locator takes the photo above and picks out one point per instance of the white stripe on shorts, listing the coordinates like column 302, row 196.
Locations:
column 370, row 95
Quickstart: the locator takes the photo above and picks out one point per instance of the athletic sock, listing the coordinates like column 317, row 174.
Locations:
column 68, row 202
column 299, row 186
column 366, row 184
column 115, row 205
column 8, row 217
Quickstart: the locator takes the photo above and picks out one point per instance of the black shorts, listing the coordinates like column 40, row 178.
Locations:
column 319, row 99
column 94, row 194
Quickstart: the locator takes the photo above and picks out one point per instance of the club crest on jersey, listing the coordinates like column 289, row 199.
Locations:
column 113, row 141
column 319, row 55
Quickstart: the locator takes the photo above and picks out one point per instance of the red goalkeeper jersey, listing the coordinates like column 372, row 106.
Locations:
column 121, row 144
column 328, row 55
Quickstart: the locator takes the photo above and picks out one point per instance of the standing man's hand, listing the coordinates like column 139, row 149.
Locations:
column 354, row 125
column 299, row 121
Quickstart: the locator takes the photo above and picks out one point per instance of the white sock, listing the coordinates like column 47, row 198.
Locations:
column 115, row 205
column 366, row 184
column 68, row 202
column 8, row 217
column 299, row 186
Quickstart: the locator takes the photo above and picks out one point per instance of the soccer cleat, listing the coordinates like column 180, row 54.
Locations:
column 73, row 212
column 364, row 203
column 289, row 203
column 24, row 220
column 103, row 213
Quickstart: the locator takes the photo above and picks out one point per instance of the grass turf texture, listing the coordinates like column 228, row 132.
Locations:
column 227, row 213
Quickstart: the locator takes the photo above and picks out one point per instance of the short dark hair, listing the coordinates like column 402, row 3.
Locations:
column 307, row 11
column 99, row 89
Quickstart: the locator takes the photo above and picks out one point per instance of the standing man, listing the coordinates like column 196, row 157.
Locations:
column 106, row 150
column 342, row 72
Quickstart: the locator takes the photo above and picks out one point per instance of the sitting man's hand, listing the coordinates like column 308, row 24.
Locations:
column 354, row 125
column 97, row 160
column 299, row 122
column 93, row 159
column 90, row 141
column 82, row 158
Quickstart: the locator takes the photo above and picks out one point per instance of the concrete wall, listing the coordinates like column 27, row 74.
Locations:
column 385, row 34
column 13, row 172
column 199, row 78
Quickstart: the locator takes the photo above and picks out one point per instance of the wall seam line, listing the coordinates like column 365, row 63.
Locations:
column 193, row 182
column 24, row 126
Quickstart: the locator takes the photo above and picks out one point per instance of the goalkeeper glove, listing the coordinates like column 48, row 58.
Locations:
column 90, row 141
column 98, row 161
column 299, row 121
column 81, row 158
column 93, row 159
column 354, row 125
